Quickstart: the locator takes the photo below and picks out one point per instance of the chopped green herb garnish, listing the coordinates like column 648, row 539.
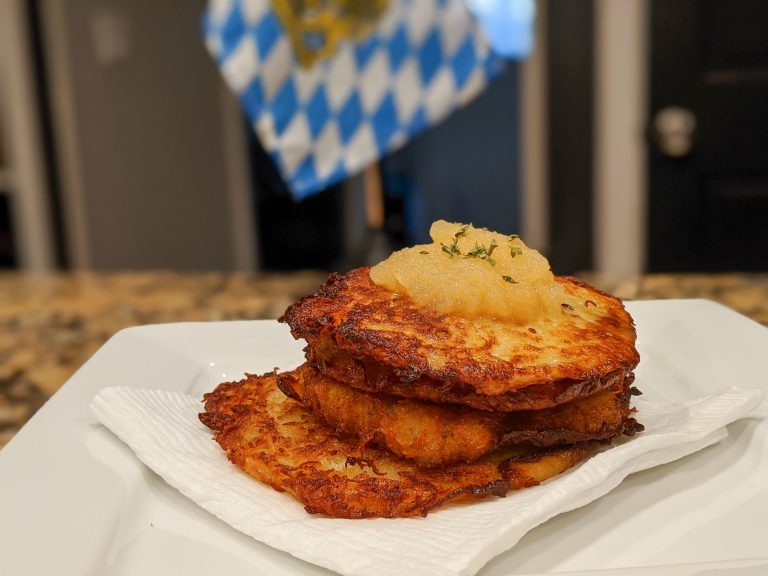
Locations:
column 424, row 252
column 483, row 253
column 451, row 250
column 509, row 279
column 515, row 251
column 491, row 248
column 476, row 252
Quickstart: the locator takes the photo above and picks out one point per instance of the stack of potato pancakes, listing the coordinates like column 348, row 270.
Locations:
column 453, row 370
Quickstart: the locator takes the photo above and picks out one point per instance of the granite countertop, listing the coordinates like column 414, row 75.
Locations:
column 50, row 325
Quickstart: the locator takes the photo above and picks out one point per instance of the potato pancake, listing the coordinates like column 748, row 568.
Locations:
column 367, row 374
column 441, row 434
column 376, row 340
column 280, row 442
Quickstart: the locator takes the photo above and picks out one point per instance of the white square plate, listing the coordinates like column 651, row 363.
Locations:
column 75, row 500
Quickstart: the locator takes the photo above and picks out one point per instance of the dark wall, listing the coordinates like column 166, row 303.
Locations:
column 467, row 168
column 570, row 77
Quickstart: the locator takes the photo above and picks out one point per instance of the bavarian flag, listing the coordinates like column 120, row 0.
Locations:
column 332, row 85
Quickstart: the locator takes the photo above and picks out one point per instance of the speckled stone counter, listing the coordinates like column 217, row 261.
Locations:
column 745, row 293
column 49, row 325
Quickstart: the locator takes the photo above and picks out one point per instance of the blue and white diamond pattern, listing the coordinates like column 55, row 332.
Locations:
column 424, row 59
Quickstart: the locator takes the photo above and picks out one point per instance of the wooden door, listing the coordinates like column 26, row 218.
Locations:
column 708, row 197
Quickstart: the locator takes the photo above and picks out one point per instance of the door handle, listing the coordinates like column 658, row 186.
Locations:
column 674, row 130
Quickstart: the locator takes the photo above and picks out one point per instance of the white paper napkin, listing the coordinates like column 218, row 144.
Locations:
column 163, row 430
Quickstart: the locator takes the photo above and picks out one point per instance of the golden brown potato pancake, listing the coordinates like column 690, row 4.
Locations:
column 366, row 374
column 440, row 434
column 278, row 441
column 376, row 340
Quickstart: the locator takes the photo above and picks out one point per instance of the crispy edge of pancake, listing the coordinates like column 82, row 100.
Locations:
column 278, row 441
column 366, row 374
column 592, row 338
column 438, row 434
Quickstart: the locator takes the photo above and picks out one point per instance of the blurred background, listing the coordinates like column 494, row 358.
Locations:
column 631, row 136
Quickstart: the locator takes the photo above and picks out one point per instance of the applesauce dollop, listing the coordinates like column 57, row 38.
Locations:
column 473, row 272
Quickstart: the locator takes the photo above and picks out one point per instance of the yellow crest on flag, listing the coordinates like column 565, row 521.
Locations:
column 316, row 27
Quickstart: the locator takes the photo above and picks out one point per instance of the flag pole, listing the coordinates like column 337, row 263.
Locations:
column 374, row 197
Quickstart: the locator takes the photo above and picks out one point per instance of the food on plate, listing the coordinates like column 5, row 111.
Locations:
column 278, row 441
column 472, row 272
column 440, row 434
column 371, row 338
column 452, row 370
